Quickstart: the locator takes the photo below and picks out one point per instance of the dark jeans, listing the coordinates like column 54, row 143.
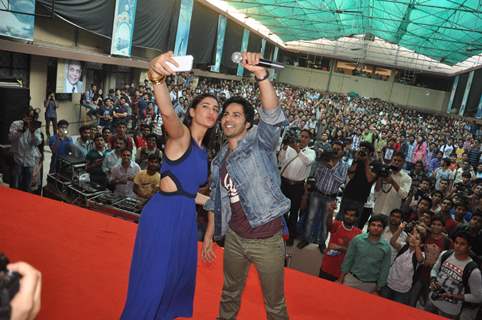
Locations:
column 393, row 295
column 317, row 210
column 22, row 177
column 327, row 276
column 47, row 125
column 347, row 203
column 294, row 192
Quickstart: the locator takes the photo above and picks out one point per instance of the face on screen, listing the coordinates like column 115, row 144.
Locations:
column 74, row 72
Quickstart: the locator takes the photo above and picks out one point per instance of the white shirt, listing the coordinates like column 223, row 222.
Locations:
column 24, row 144
column 400, row 276
column 118, row 172
column 388, row 198
column 402, row 239
column 77, row 88
column 299, row 168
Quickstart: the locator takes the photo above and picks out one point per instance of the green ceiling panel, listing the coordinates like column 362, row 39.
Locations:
column 449, row 31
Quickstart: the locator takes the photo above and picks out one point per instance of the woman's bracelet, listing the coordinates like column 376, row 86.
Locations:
column 155, row 78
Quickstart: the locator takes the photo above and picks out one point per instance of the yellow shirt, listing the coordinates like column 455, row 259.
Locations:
column 148, row 185
column 459, row 152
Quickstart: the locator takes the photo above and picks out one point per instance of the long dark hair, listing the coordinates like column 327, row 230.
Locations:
column 188, row 119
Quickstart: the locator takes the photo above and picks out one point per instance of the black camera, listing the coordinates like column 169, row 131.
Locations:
column 437, row 294
column 9, row 286
column 381, row 170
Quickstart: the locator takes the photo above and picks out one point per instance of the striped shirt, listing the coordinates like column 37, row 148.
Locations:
column 329, row 180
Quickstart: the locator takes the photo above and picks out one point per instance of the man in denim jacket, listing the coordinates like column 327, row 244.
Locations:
column 246, row 201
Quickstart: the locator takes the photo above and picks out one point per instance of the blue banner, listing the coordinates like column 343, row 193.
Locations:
column 17, row 19
column 275, row 54
column 244, row 47
column 124, row 17
column 263, row 46
column 222, row 22
column 452, row 95
column 466, row 93
column 183, row 27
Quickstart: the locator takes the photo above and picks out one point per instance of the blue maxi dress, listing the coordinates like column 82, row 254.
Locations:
column 163, row 268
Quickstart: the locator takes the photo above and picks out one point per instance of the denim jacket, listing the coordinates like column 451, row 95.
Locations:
column 253, row 168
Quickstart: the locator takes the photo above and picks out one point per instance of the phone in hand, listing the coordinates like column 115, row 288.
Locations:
column 184, row 62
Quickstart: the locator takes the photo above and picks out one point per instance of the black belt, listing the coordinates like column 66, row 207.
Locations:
column 292, row 182
column 356, row 277
column 333, row 195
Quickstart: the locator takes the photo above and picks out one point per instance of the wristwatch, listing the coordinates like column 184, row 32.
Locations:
column 262, row 79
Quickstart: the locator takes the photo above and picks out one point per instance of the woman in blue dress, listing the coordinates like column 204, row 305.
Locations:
column 163, row 268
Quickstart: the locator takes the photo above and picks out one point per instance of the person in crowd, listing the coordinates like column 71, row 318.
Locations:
column 408, row 150
column 367, row 261
column 25, row 136
column 420, row 153
column 114, row 157
column 60, row 144
column 436, row 161
column 246, row 198
column 402, row 270
column 165, row 249
column 82, row 144
column 94, row 161
column 455, row 285
column 107, row 135
column 447, row 148
column 89, row 101
column 106, row 113
column 122, row 175
column 362, row 178
column 295, row 159
column 146, row 182
column 50, row 106
column 121, row 112
column 341, row 233
column 474, row 153
column 391, row 190
column 329, row 176
column 394, row 224
column 141, row 137
column 150, row 149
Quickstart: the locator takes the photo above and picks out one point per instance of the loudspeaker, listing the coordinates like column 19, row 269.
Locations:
column 14, row 102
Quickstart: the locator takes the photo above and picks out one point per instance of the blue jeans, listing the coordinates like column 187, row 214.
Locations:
column 22, row 177
column 317, row 211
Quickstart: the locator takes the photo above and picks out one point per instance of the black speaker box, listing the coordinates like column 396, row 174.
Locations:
column 14, row 102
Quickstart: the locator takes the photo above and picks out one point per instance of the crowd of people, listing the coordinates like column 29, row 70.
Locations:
column 412, row 179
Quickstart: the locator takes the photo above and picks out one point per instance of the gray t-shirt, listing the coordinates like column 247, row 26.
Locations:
column 450, row 278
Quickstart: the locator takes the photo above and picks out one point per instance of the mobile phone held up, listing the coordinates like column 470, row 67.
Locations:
column 184, row 62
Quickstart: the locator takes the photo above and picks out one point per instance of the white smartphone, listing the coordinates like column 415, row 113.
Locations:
column 184, row 62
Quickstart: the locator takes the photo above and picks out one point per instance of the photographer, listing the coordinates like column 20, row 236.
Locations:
column 392, row 186
column 362, row 178
column 295, row 159
column 60, row 144
column 25, row 137
column 455, row 290
column 50, row 113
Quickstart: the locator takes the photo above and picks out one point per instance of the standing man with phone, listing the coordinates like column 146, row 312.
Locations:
column 50, row 113
column 25, row 137
column 246, row 200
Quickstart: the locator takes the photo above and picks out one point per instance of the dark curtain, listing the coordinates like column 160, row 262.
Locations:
column 202, row 35
column 475, row 94
column 156, row 24
column 459, row 93
column 95, row 16
column 232, row 43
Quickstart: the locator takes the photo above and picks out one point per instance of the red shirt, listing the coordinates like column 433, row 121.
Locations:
column 341, row 236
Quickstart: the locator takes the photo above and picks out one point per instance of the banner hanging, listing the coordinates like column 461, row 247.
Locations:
column 123, row 28
column 244, row 46
column 183, row 26
column 222, row 22
column 17, row 19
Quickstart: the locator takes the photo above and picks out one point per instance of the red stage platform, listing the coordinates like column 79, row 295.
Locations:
column 84, row 257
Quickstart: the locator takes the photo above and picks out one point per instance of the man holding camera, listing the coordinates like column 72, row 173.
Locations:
column 50, row 113
column 25, row 137
column 295, row 159
column 392, row 186
column 362, row 178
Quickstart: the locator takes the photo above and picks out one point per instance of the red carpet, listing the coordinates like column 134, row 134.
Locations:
column 84, row 258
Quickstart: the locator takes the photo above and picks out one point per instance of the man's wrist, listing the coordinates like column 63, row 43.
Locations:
column 261, row 76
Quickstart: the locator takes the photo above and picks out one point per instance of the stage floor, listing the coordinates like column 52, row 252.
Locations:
column 84, row 258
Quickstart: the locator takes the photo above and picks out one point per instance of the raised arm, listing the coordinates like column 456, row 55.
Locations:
column 269, row 99
column 158, row 71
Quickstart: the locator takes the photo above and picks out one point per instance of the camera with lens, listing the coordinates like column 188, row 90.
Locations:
column 9, row 286
column 437, row 294
column 382, row 170
column 292, row 136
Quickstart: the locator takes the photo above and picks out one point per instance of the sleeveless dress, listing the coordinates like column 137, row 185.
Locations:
column 163, row 267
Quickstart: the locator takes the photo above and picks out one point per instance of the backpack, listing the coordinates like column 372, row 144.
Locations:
column 469, row 267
